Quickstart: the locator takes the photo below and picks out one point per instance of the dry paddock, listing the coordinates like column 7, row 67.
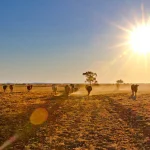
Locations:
column 108, row 120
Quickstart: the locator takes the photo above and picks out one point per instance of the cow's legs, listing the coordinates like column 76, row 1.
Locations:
column 132, row 93
column 135, row 93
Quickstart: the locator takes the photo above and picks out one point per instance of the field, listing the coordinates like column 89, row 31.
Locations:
column 108, row 120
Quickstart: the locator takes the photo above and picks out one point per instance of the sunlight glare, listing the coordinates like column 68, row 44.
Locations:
column 140, row 39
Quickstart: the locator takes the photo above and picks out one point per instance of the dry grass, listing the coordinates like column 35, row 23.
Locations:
column 107, row 120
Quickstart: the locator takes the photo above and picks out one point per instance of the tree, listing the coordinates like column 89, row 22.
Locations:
column 90, row 77
column 118, row 82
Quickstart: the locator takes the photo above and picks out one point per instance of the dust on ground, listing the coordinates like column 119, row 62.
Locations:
column 108, row 119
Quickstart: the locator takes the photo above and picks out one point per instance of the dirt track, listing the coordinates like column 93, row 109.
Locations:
column 100, row 122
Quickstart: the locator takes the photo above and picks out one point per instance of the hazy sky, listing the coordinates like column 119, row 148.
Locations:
column 58, row 40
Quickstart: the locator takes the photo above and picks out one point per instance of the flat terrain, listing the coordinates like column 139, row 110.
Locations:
column 108, row 120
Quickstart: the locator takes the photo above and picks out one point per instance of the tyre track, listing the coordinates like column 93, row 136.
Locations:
column 134, row 121
column 88, row 124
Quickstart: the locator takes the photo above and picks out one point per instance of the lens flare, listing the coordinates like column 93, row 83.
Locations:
column 10, row 141
column 39, row 116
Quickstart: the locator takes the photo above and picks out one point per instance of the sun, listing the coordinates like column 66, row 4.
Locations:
column 139, row 39
column 136, row 36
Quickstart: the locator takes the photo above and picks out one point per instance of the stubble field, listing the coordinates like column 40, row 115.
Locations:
column 108, row 120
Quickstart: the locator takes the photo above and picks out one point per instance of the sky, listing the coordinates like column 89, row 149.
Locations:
column 56, row 41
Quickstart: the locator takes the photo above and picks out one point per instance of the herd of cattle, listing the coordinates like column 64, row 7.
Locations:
column 11, row 87
column 68, row 88
column 73, row 88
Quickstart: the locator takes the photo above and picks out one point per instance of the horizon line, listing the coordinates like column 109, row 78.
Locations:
column 69, row 83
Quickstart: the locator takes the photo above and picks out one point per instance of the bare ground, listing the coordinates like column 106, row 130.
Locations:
column 108, row 120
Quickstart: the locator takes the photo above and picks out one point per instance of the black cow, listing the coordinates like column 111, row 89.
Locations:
column 67, row 90
column 89, row 89
column 29, row 87
column 4, row 87
column 134, row 89
column 11, row 88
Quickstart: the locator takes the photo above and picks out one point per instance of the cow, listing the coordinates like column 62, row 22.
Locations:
column 54, row 88
column 4, row 87
column 29, row 87
column 72, row 87
column 89, row 89
column 67, row 90
column 76, row 89
column 134, row 89
column 11, row 88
